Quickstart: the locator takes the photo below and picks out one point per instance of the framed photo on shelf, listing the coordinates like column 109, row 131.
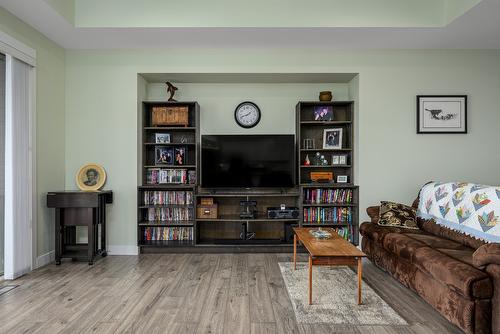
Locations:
column 162, row 138
column 341, row 178
column 332, row 138
column 339, row 159
column 323, row 113
column 164, row 155
column 335, row 159
column 442, row 114
column 180, row 155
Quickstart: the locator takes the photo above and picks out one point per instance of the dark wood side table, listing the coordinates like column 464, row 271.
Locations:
column 80, row 208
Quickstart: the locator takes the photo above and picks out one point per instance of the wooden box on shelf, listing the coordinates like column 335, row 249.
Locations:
column 321, row 176
column 207, row 201
column 204, row 211
column 171, row 116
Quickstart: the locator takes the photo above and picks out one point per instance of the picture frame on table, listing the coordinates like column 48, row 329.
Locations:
column 441, row 114
column 332, row 138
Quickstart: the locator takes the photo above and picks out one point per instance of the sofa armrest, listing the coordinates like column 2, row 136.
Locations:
column 374, row 213
column 487, row 254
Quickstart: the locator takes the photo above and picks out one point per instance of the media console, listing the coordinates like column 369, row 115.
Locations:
column 229, row 229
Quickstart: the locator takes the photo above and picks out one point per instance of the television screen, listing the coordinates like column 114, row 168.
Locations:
column 248, row 161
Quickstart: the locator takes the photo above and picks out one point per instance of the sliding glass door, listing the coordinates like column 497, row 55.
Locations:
column 2, row 160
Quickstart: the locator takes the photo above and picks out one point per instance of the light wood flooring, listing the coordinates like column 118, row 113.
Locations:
column 185, row 293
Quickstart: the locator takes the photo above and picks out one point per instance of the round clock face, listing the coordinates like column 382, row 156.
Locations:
column 247, row 114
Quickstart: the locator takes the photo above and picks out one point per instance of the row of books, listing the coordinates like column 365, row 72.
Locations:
column 345, row 232
column 170, row 214
column 168, row 197
column 175, row 176
column 168, row 233
column 337, row 215
column 328, row 196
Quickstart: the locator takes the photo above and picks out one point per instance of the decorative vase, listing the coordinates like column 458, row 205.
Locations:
column 325, row 96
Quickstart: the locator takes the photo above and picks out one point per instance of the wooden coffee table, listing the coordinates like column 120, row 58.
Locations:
column 327, row 252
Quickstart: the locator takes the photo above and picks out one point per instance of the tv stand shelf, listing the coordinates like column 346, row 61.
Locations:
column 229, row 229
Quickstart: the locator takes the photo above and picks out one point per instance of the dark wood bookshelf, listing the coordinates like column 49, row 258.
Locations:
column 186, row 137
column 307, row 127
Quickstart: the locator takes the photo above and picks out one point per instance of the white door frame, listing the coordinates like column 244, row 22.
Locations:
column 14, row 48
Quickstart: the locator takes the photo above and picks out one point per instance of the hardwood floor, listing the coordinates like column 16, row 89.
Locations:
column 185, row 293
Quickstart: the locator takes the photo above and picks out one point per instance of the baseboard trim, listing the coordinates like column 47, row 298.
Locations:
column 45, row 259
column 123, row 250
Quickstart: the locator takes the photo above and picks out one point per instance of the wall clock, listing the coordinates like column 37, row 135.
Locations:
column 247, row 114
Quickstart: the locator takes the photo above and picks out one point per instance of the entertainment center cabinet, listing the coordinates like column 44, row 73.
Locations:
column 170, row 189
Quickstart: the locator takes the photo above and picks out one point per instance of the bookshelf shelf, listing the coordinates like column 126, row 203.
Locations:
column 169, row 144
column 329, row 123
column 170, row 166
column 329, row 166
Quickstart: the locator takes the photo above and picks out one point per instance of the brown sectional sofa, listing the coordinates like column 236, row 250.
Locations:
column 457, row 274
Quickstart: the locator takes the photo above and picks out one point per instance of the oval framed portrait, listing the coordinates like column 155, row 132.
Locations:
column 90, row 177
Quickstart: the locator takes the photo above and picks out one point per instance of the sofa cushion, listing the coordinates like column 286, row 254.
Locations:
column 432, row 227
column 437, row 242
column 401, row 245
column 464, row 255
column 377, row 233
column 461, row 277
column 397, row 215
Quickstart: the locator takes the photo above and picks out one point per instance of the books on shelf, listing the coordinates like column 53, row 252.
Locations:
column 327, row 196
column 168, row 234
column 345, row 232
column 166, row 176
column 168, row 197
column 337, row 215
column 170, row 214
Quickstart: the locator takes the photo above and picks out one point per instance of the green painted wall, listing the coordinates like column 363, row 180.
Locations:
column 49, row 119
column 259, row 13
column 393, row 161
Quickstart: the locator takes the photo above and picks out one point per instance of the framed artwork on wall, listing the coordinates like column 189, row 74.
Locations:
column 442, row 114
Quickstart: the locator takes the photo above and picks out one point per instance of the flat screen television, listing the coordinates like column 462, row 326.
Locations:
column 247, row 161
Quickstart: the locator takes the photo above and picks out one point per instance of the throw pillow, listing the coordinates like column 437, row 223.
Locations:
column 397, row 215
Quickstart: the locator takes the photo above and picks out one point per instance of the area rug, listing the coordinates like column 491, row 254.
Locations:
column 335, row 297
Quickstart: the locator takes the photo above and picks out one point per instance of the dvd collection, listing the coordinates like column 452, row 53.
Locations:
column 168, row 233
column 327, row 196
column 168, row 197
column 170, row 214
column 337, row 215
column 164, row 176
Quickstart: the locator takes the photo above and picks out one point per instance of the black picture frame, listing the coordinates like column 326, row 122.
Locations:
column 420, row 98
column 164, row 155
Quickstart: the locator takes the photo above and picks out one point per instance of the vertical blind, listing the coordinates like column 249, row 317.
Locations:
column 18, row 189
column 2, row 158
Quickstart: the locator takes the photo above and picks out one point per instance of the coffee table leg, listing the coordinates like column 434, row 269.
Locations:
column 310, row 280
column 360, row 269
column 294, row 251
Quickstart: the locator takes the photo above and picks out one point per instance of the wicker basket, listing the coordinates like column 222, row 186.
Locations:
column 170, row 116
